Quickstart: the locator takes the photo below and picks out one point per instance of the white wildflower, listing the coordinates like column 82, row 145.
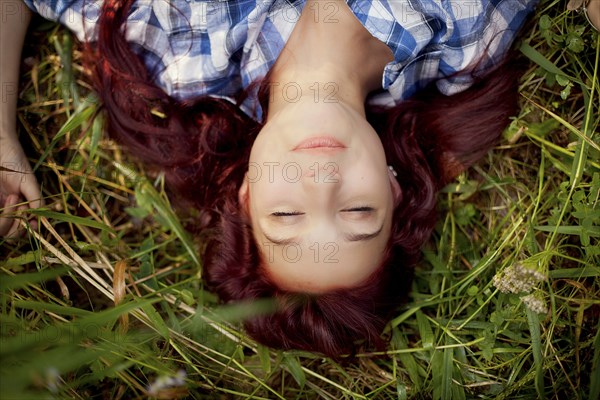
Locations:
column 517, row 279
column 165, row 382
column 535, row 303
column 53, row 379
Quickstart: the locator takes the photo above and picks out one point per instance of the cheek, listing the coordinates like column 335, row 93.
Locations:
column 265, row 193
column 371, row 177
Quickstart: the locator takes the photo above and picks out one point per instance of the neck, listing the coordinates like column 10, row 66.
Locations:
column 330, row 57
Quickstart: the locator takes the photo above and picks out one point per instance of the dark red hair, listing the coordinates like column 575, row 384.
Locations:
column 203, row 147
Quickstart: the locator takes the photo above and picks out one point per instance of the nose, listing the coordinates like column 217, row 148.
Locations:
column 324, row 172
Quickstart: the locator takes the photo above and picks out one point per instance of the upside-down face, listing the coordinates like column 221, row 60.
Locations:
column 320, row 197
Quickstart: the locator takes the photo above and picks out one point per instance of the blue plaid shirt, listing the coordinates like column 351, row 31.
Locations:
column 217, row 48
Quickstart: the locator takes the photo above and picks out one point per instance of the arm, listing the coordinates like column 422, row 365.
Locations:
column 21, row 185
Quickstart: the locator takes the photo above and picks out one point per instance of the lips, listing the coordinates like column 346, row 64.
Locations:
column 321, row 142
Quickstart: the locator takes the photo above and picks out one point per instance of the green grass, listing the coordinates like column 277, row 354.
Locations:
column 105, row 299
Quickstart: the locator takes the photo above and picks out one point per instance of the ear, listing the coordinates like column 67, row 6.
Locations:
column 396, row 190
column 244, row 196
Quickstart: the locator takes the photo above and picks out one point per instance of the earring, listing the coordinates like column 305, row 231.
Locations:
column 392, row 170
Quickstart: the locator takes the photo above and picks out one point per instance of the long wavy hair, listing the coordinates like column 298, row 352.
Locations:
column 203, row 147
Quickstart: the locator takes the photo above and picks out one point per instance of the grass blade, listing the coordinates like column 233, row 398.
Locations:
column 446, row 387
column 149, row 197
column 24, row 279
column 407, row 359
column 425, row 330
column 543, row 62
column 295, row 369
column 536, row 349
column 72, row 219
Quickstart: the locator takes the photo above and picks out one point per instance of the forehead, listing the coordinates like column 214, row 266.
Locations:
column 317, row 267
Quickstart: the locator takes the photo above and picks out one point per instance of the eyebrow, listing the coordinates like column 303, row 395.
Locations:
column 351, row 237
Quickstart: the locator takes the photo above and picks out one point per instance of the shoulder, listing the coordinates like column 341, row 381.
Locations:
column 441, row 40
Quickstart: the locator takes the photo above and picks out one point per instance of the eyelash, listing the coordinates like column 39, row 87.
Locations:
column 286, row 214
column 359, row 209
column 294, row 213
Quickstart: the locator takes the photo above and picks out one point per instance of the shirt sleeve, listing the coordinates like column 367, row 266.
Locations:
column 481, row 36
column 189, row 48
column 79, row 16
column 445, row 41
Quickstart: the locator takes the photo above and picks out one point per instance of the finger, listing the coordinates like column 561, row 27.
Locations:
column 593, row 13
column 31, row 191
column 7, row 222
column 33, row 223
column 16, row 230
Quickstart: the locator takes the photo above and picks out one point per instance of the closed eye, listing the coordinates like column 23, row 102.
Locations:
column 359, row 209
column 286, row 213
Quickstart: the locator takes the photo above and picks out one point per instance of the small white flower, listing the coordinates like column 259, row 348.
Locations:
column 517, row 279
column 535, row 303
column 53, row 379
column 164, row 382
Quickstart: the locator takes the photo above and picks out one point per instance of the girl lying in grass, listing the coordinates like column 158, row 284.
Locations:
column 311, row 136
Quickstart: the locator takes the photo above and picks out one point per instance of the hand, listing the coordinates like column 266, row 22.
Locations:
column 17, row 182
column 19, row 189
